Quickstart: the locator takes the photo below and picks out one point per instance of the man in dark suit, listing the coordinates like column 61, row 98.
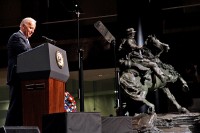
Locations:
column 17, row 43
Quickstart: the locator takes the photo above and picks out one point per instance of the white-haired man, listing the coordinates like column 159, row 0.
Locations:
column 17, row 43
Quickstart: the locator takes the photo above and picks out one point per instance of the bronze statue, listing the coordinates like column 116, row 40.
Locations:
column 141, row 70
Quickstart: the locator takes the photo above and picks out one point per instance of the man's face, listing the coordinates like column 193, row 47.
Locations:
column 28, row 29
column 131, row 35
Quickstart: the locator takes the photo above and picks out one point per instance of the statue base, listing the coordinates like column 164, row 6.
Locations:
column 167, row 123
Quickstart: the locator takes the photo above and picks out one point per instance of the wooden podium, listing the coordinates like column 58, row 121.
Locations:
column 44, row 72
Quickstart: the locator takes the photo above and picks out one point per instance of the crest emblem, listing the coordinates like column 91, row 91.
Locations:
column 59, row 59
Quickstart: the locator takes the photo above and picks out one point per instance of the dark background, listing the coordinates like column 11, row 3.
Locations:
column 173, row 22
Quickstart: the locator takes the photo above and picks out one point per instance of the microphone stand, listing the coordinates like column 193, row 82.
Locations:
column 80, row 61
column 117, row 84
column 111, row 39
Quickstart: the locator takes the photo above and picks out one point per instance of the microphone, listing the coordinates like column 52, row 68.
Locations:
column 49, row 40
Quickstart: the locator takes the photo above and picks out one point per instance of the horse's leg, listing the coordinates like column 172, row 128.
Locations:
column 151, row 108
column 172, row 98
column 142, row 98
column 185, row 86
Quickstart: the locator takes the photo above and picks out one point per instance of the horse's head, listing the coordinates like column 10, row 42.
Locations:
column 153, row 43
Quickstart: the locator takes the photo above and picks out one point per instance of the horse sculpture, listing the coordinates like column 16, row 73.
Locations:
column 132, row 74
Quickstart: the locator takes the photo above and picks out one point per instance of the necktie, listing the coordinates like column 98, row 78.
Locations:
column 28, row 44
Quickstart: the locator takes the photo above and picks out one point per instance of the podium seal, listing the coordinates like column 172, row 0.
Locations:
column 59, row 59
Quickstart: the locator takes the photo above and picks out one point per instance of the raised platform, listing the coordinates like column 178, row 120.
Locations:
column 76, row 122
column 92, row 122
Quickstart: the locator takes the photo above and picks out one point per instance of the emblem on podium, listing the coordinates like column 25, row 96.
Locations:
column 59, row 59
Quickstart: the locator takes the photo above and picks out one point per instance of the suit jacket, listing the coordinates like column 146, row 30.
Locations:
column 17, row 44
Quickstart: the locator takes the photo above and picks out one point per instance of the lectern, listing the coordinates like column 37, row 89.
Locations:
column 44, row 72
